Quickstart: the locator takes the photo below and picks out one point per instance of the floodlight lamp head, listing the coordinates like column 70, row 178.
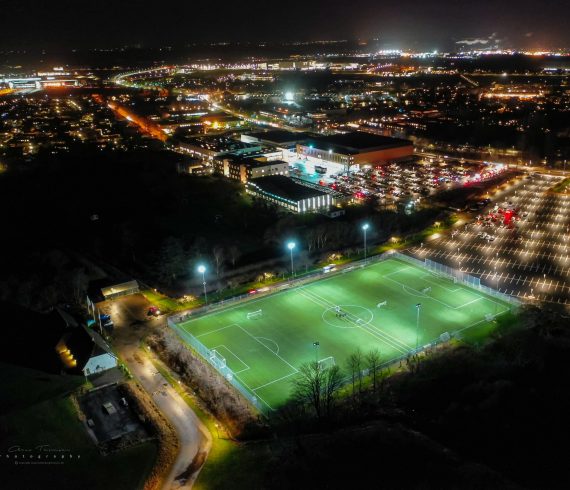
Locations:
column 291, row 245
column 201, row 269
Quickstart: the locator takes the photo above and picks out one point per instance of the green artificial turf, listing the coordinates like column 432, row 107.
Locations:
column 265, row 353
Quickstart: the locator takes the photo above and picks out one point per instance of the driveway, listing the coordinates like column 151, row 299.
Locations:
column 131, row 325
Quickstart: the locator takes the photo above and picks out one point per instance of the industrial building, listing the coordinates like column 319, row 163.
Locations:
column 340, row 152
column 245, row 169
column 210, row 147
column 279, row 139
column 282, row 191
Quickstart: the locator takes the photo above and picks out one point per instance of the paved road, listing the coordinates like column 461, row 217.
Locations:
column 131, row 324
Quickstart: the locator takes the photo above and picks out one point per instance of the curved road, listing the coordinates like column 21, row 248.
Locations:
column 132, row 324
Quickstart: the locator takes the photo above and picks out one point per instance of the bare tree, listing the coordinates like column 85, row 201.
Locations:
column 355, row 368
column 317, row 387
column 311, row 238
column 322, row 236
column 235, row 254
column 332, row 383
column 373, row 361
column 219, row 256
column 307, row 386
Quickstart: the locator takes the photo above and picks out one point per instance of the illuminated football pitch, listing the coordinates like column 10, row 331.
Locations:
column 342, row 312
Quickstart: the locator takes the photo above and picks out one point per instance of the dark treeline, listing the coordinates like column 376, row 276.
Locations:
column 133, row 211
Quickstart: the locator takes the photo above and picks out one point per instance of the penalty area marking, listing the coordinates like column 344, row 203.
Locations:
column 274, row 381
column 435, row 284
column 272, row 341
column 421, row 295
column 233, row 354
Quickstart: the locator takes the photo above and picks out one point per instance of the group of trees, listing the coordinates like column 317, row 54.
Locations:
column 317, row 387
column 219, row 397
column 44, row 280
column 174, row 262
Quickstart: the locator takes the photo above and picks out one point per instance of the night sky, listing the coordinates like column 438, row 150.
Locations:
column 415, row 24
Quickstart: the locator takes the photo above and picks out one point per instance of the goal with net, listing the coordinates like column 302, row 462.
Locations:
column 252, row 315
column 426, row 290
column 217, row 359
column 381, row 304
column 326, row 363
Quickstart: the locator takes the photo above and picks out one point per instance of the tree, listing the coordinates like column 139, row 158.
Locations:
column 355, row 368
column 317, row 387
column 171, row 260
column 373, row 360
column 79, row 283
column 219, row 255
column 235, row 254
column 333, row 382
column 308, row 386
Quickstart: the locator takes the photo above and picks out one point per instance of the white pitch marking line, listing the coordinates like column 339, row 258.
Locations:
column 274, row 381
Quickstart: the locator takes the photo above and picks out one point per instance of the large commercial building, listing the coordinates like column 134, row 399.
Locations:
column 245, row 169
column 210, row 147
column 294, row 197
column 340, row 152
column 280, row 139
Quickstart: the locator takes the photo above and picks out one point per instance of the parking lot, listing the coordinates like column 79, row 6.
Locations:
column 526, row 255
column 408, row 182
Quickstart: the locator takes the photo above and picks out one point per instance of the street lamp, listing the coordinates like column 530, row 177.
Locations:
column 365, row 227
column 418, row 308
column 202, row 270
column 291, row 246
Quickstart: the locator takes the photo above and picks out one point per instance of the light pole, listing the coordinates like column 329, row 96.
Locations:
column 496, row 287
column 365, row 227
column 202, row 270
column 316, row 345
column 418, row 308
column 291, row 246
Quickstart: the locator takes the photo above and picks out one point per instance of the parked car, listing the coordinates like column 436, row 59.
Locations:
column 153, row 311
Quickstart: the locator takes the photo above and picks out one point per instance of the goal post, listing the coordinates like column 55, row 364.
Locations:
column 217, row 359
column 382, row 303
column 326, row 363
column 254, row 314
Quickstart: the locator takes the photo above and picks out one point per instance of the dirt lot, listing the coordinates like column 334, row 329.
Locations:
column 118, row 421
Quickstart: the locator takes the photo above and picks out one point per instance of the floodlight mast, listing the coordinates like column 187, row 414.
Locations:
column 291, row 246
column 316, row 345
column 365, row 227
column 418, row 308
column 202, row 270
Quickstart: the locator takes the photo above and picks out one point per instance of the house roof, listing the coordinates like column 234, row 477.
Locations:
column 280, row 136
column 36, row 340
column 284, row 187
column 356, row 142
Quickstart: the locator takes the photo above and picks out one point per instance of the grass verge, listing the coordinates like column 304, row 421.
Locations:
column 53, row 424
